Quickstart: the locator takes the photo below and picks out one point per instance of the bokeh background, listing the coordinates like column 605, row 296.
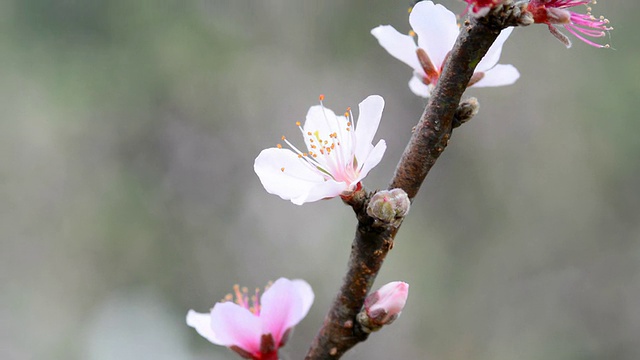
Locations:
column 127, row 193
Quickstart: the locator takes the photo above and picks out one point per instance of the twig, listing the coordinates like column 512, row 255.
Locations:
column 340, row 330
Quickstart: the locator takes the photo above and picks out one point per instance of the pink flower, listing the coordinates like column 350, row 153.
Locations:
column 554, row 12
column 385, row 305
column 257, row 329
column 437, row 31
column 481, row 7
column 339, row 155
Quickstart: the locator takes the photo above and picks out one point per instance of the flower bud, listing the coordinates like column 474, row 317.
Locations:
column 383, row 306
column 389, row 206
column 466, row 110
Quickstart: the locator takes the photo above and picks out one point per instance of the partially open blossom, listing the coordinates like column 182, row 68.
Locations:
column 339, row 155
column 255, row 329
column 555, row 12
column 481, row 7
column 437, row 30
column 384, row 305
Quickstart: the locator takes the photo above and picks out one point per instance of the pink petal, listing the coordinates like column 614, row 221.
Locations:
column 498, row 76
column 305, row 293
column 235, row 325
column 391, row 297
column 202, row 324
column 299, row 182
column 437, row 29
column 283, row 306
column 400, row 46
column 370, row 113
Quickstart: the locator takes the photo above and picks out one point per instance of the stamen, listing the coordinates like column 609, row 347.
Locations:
column 560, row 36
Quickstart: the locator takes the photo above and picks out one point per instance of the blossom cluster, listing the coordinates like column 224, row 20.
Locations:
column 338, row 154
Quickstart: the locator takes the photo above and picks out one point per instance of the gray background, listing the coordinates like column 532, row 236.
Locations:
column 127, row 194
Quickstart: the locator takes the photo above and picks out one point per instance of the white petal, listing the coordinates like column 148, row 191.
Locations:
column 370, row 113
column 325, row 190
column 202, row 324
column 498, row 76
column 492, row 56
column 283, row 306
column 437, row 29
column 418, row 87
column 235, row 325
column 321, row 120
column 372, row 160
column 295, row 183
column 400, row 46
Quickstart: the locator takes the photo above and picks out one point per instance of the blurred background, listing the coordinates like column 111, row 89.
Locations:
column 128, row 197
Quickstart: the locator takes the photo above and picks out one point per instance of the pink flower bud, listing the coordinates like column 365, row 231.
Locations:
column 384, row 306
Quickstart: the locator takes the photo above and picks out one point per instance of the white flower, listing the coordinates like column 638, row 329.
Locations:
column 437, row 30
column 339, row 155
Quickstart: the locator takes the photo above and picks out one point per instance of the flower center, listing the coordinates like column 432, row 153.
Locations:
column 242, row 298
column 330, row 153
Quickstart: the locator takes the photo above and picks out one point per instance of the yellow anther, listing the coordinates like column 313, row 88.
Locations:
column 297, row 123
column 282, row 169
column 279, row 146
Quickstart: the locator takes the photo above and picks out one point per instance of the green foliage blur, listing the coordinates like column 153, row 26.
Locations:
column 127, row 194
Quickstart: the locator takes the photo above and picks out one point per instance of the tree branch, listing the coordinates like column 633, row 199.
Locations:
column 340, row 330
